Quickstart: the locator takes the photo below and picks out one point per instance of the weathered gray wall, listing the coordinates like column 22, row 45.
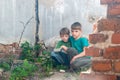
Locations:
column 84, row 11
column 53, row 18
column 12, row 13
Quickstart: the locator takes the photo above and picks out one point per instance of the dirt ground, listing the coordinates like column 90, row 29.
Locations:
column 63, row 76
column 68, row 75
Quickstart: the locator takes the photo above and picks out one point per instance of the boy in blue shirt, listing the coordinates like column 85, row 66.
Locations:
column 78, row 42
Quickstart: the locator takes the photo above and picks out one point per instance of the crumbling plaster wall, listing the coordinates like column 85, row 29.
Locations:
column 54, row 14
column 13, row 13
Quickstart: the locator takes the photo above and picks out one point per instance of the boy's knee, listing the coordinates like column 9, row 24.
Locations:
column 79, row 64
column 72, row 51
column 52, row 54
column 73, row 65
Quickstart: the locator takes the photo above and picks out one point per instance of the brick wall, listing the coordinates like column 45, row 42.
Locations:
column 105, row 41
column 113, row 7
column 9, row 49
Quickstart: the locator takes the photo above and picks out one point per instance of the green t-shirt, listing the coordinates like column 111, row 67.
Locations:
column 79, row 44
column 60, row 43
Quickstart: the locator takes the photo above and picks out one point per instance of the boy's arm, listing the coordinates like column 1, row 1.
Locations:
column 85, row 43
column 78, row 56
column 58, row 45
column 64, row 48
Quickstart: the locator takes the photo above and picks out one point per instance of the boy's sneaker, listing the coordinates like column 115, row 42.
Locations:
column 62, row 70
column 87, row 71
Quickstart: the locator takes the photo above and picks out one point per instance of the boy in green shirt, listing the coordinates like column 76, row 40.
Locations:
column 60, row 57
column 79, row 43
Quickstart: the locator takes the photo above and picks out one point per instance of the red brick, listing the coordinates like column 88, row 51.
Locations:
column 92, row 51
column 113, row 10
column 117, row 66
column 116, row 1
column 105, row 1
column 112, row 53
column 108, row 25
column 14, row 44
column 109, row 1
column 97, row 38
column 102, row 65
column 17, row 51
column 116, row 38
column 91, row 76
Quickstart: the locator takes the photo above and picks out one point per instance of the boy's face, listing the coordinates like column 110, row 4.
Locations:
column 76, row 33
column 64, row 37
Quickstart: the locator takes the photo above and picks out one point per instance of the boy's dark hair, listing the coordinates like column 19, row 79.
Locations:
column 76, row 25
column 64, row 31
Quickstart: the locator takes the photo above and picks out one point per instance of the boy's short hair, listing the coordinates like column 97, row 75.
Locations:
column 76, row 25
column 64, row 31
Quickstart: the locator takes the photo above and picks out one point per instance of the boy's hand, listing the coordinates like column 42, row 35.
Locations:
column 73, row 59
column 64, row 48
column 78, row 56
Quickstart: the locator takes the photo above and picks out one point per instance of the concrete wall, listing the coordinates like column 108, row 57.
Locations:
column 13, row 13
column 53, row 16
column 65, row 12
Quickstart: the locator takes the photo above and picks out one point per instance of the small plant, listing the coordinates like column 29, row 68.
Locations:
column 7, row 62
column 27, row 52
column 22, row 71
column 42, row 57
column 46, row 63
column 37, row 49
column 5, row 66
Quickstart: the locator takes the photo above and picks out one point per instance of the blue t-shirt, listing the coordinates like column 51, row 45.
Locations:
column 79, row 44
